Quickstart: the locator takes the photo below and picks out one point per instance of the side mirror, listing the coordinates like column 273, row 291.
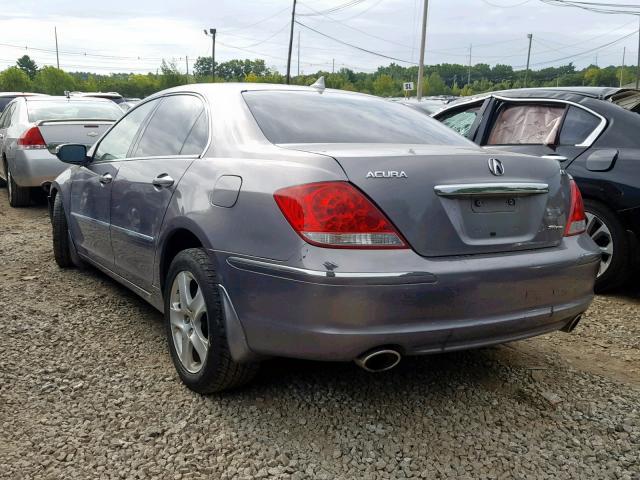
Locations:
column 72, row 153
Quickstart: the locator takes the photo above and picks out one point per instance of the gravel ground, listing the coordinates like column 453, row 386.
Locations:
column 87, row 390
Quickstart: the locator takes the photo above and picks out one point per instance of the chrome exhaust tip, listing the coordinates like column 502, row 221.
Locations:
column 379, row 360
column 572, row 324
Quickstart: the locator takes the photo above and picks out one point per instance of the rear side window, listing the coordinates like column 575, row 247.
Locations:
column 577, row 126
column 4, row 101
column 72, row 110
column 197, row 139
column 462, row 120
column 5, row 119
column 309, row 117
column 533, row 124
column 117, row 142
column 170, row 126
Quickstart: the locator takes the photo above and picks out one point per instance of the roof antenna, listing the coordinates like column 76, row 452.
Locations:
column 319, row 84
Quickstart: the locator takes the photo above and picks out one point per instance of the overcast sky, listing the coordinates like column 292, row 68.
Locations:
column 134, row 35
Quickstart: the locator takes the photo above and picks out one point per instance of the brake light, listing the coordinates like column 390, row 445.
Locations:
column 337, row 215
column 577, row 221
column 32, row 138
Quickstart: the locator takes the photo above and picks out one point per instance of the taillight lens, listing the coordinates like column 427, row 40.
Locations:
column 577, row 221
column 336, row 215
column 32, row 138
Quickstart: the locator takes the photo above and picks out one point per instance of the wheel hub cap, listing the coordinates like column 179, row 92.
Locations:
column 601, row 235
column 189, row 322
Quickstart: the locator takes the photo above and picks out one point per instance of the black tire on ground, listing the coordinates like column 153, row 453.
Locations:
column 218, row 371
column 18, row 196
column 61, row 242
column 619, row 268
column 3, row 182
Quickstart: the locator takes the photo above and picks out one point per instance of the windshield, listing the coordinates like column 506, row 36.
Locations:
column 310, row 117
column 72, row 110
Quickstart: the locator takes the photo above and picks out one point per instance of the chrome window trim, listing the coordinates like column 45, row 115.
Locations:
column 587, row 142
column 133, row 233
column 491, row 189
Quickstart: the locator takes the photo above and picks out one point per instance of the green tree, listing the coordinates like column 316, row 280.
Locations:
column 383, row 85
column 434, row 85
column 53, row 81
column 13, row 79
column 170, row 77
column 28, row 66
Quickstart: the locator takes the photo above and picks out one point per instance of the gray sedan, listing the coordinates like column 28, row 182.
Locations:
column 31, row 127
column 269, row 220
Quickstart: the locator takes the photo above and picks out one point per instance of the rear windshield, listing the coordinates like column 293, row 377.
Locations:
column 310, row 117
column 70, row 110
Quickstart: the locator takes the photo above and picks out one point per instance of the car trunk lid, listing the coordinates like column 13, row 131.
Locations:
column 85, row 132
column 445, row 200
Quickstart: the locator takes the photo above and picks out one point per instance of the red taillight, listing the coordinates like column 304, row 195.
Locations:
column 337, row 215
column 32, row 138
column 577, row 220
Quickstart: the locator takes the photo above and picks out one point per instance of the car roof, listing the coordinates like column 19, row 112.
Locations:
column 560, row 92
column 49, row 98
column 96, row 94
column 22, row 94
column 238, row 87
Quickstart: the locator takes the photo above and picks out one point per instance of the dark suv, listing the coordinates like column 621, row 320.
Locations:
column 594, row 132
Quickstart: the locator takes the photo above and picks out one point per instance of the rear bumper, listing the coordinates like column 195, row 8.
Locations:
column 417, row 305
column 34, row 168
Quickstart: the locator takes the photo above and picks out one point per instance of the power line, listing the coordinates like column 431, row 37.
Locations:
column 349, row 4
column 355, row 46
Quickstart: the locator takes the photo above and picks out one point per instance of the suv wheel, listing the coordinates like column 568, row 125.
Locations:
column 608, row 233
column 18, row 196
column 195, row 326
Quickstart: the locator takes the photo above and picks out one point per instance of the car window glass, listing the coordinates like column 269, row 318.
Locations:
column 116, row 144
column 4, row 101
column 3, row 119
column 197, row 139
column 307, row 117
column 169, row 126
column 72, row 110
column 526, row 124
column 461, row 121
column 577, row 126
column 15, row 112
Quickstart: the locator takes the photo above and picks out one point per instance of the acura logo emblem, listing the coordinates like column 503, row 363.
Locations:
column 496, row 167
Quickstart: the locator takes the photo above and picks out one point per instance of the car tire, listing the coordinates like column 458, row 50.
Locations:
column 608, row 233
column 195, row 327
column 60, row 234
column 3, row 182
column 18, row 196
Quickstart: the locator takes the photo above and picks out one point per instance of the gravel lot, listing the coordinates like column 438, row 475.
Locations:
column 87, row 390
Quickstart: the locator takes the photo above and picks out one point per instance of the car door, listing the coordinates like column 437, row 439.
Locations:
column 544, row 128
column 176, row 134
column 464, row 118
column 91, row 187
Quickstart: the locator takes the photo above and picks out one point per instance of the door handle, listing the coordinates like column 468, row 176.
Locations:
column 559, row 158
column 162, row 181
column 106, row 178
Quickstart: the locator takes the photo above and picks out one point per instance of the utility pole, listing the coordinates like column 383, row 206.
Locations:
column 624, row 51
column 212, row 33
column 187, row 62
column 638, row 68
column 469, row 74
column 298, row 52
column 55, row 32
column 293, row 21
column 423, row 41
column 333, row 65
column 526, row 73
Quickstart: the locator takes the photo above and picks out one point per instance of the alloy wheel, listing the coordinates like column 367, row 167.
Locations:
column 189, row 322
column 601, row 235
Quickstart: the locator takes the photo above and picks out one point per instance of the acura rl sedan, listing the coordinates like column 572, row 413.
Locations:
column 270, row 220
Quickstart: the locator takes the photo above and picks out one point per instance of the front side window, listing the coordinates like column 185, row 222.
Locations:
column 116, row 144
column 310, row 117
column 532, row 124
column 461, row 120
column 170, row 126
column 578, row 125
